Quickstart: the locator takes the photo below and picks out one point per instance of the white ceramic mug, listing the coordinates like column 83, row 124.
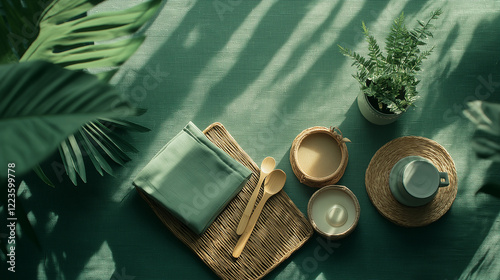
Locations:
column 416, row 181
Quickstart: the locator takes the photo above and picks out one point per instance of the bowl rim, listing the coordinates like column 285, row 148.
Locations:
column 332, row 178
column 356, row 206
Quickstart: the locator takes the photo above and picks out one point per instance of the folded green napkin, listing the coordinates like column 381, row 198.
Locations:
column 193, row 178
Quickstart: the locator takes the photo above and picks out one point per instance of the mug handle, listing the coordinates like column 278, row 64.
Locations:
column 443, row 179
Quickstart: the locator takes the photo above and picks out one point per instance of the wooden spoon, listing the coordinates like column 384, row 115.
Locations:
column 266, row 167
column 274, row 183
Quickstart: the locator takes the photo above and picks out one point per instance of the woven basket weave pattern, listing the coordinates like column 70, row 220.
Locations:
column 280, row 230
column 377, row 181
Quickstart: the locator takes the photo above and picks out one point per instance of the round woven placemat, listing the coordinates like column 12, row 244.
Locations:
column 377, row 181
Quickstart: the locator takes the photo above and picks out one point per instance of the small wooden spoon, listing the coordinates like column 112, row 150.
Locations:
column 274, row 183
column 266, row 167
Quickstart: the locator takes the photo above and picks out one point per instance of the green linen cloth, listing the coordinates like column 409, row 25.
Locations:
column 193, row 178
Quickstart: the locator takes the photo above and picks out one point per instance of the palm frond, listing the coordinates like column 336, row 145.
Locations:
column 117, row 139
column 74, row 40
column 39, row 172
column 123, row 124
column 31, row 120
column 68, row 162
column 59, row 30
column 97, row 159
column 115, row 154
column 18, row 27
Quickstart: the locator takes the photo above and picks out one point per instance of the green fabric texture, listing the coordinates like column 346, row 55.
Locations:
column 267, row 70
column 193, row 178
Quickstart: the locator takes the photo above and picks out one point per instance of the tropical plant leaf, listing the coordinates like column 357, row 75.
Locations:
column 6, row 52
column 68, row 161
column 109, row 142
column 97, row 159
column 116, row 138
column 39, row 172
column 106, row 75
column 42, row 104
column 75, row 40
column 126, row 125
column 60, row 32
column 104, row 145
column 18, row 27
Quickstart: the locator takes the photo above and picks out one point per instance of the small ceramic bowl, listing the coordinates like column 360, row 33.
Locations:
column 319, row 156
column 333, row 211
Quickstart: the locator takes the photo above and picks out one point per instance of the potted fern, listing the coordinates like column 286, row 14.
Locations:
column 388, row 81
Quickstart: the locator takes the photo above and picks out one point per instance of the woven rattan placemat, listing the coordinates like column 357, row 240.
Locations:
column 280, row 230
column 377, row 181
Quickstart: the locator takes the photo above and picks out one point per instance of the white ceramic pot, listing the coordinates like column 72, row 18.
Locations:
column 373, row 115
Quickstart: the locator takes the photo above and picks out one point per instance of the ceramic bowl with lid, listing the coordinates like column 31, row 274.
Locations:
column 333, row 211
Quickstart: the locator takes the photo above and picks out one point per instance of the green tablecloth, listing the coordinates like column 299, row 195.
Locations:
column 268, row 70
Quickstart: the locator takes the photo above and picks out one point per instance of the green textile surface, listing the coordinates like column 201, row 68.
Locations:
column 268, row 70
column 193, row 178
